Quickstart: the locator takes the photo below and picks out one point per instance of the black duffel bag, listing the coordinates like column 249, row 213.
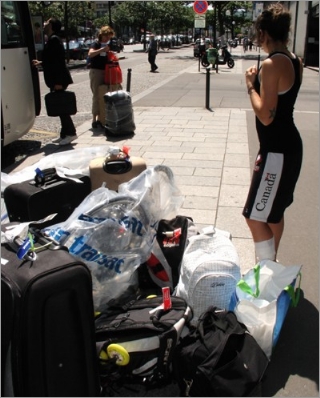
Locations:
column 218, row 358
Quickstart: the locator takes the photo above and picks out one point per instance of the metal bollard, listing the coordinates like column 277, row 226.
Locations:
column 208, row 88
column 129, row 80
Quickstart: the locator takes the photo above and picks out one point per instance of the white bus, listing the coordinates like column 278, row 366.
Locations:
column 20, row 89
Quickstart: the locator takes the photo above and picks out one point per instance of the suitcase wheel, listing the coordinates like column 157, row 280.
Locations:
column 116, row 351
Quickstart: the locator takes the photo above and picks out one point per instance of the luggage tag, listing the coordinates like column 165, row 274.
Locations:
column 25, row 250
column 156, row 313
column 26, row 239
column 35, row 242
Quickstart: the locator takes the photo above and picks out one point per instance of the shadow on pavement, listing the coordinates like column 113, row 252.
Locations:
column 297, row 351
column 35, row 149
column 17, row 151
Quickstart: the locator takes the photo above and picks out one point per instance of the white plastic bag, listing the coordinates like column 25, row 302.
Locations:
column 262, row 299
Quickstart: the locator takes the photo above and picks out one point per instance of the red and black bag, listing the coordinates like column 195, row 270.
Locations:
column 164, row 263
column 113, row 72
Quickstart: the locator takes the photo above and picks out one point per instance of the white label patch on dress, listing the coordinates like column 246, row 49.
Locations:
column 268, row 187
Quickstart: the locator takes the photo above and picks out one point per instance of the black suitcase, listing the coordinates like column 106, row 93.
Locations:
column 47, row 194
column 60, row 103
column 47, row 326
column 119, row 113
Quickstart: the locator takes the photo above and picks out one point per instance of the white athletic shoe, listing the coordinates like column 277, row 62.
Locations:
column 57, row 140
column 68, row 139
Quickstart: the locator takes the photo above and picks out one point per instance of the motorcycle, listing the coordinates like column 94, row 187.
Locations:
column 225, row 59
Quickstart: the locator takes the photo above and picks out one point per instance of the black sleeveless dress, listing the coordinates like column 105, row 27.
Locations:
column 277, row 166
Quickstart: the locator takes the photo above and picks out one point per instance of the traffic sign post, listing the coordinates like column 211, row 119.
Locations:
column 200, row 7
column 199, row 21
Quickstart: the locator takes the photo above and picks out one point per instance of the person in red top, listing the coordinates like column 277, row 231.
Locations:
column 273, row 91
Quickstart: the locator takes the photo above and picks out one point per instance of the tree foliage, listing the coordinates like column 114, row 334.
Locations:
column 77, row 13
column 160, row 17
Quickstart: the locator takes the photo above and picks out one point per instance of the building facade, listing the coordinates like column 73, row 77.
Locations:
column 304, row 38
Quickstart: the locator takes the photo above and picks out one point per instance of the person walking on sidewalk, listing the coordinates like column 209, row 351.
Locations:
column 273, row 91
column 152, row 53
column 57, row 75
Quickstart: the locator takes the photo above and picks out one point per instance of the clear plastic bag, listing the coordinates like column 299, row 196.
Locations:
column 158, row 192
column 76, row 162
column 112, row 232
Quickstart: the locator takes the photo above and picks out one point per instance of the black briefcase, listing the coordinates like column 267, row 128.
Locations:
column 47, row 324
column 46, row 194
column 59, row 103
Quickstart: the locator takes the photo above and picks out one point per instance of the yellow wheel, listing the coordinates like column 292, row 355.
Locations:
column 117, row 351
column 103, row 355
column 151, row 296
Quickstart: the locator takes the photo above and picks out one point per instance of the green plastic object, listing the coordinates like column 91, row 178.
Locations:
column 212, row 54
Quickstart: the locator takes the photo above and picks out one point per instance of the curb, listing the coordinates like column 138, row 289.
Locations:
column 315, row 68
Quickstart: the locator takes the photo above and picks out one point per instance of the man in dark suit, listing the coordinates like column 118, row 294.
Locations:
column 56, row 75
column 152, row 53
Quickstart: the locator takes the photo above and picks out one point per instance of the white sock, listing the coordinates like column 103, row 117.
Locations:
column 265, row 250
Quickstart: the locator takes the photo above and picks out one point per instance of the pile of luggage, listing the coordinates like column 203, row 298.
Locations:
column 105, row 285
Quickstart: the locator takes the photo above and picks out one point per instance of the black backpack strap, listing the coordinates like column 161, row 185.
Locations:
column 167, row 344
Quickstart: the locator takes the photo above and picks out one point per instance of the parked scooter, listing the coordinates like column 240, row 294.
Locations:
column 233, row 43
column 224, row 59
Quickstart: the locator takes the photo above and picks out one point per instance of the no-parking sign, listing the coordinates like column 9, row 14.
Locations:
column 200, row 7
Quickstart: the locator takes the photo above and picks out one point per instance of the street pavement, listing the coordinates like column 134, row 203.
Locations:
column 210, row 150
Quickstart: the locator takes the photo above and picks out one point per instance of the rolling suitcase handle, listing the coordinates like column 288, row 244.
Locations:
column 35, row 241
column 44, row 176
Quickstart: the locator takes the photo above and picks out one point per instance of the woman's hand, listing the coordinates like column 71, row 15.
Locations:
column 251, row 74
column 93, row 53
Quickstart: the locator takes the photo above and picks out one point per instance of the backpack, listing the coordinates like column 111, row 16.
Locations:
column 135, row 342
column 167, row 250
column 209, row 272
column 218, row 358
